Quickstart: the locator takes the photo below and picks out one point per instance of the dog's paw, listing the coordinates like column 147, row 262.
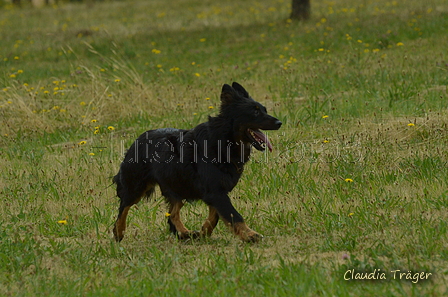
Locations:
column 188, row 235
column 118, row 237
column 252, row 236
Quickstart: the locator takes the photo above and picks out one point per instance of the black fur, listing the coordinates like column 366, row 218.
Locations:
column 203, row 163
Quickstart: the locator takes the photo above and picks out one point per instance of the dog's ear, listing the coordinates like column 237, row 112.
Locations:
column 239, row 88
column 227, row 94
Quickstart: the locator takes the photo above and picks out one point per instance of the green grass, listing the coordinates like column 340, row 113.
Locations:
column 357, row 179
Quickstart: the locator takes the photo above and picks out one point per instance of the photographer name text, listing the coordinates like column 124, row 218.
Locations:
column 397, row 274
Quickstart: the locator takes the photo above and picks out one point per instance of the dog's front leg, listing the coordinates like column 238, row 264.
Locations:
column 232, row 218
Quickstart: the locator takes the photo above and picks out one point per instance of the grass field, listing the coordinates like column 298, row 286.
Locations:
column 357, row 181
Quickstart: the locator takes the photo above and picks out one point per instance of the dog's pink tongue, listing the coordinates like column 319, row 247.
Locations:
column 264, row 139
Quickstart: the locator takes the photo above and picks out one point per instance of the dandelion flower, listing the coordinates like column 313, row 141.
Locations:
column 411, row 125
column 62, row 222
column 400, row 44
column 110, row 128
column 93, row 121
column 12, row 76
column 197, row 74
column 92, row 154
column 351, row 214
column 82, row 142
column 20, row 71
column 16, row 58
column 326, row 141
column 82, row 103
column 117, row 80
column 96, row 132
column 167, row 214
column 348, row 180
column 210, row 107
column 202, row 39
column 325, row 116
column 156, row 51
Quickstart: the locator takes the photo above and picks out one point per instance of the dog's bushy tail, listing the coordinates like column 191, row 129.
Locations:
column 122, row 191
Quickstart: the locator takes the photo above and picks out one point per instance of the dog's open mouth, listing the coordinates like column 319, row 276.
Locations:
column 259, row 140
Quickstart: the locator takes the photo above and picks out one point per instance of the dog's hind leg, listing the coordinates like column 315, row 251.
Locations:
column 176, row 225
column 128, row 197
column 211, row 222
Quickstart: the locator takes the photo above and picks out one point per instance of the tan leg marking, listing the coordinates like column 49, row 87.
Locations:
column 211, row 222
column 244, row 232
column 120, row 224
column 175, row 217
column 182, row 231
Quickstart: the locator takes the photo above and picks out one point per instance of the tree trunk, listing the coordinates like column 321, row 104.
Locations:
column 301, row 10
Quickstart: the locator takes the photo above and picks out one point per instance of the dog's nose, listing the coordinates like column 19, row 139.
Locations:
column 278, row 124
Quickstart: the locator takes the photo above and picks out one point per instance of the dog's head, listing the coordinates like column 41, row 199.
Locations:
column 248, row 116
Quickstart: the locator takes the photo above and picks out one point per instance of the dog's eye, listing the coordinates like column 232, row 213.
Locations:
column 257, row 112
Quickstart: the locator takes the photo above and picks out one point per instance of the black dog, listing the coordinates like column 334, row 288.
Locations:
column 203, row 163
